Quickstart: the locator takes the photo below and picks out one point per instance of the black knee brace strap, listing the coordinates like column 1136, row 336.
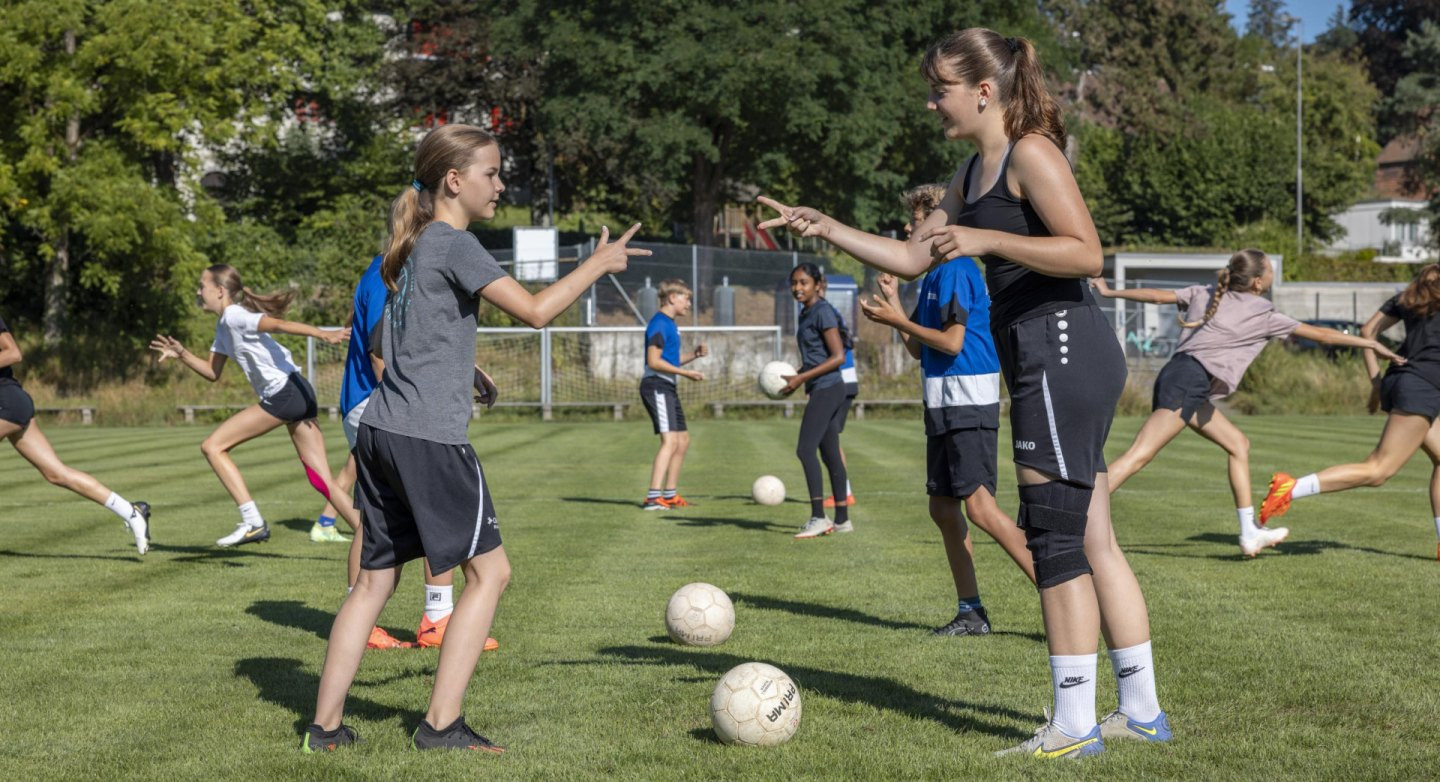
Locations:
column 1053, row 517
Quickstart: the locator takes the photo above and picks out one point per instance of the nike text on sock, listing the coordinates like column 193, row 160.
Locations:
column 1135, row 679
column 117, row 505
column 1306, row 486
column 439, row 601
column 1247, row 521
column 1073, row 678
column 250, row 514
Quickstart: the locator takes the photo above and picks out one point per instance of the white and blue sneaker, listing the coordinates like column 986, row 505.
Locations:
column 1050, row 742
column 1118, row 726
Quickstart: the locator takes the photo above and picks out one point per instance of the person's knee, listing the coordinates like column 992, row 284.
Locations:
column 1053, row 517
column 211, row 448
column 494, row 574
column 58, row 476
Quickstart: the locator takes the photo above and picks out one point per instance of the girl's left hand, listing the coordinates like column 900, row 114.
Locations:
column 792, row 382
column 335, row 336
column 952, row 241
column 880, row 310
column 1387, row 354
column 488, row 393
column 167, row 347
column 701, row 351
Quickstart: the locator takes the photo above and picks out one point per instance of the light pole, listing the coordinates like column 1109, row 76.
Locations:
column 1299, row 133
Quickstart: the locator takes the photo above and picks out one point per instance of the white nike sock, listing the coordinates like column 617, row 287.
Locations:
column 847, row 488
column 119, row 506
column 1135, row 679
column 1247, row 521
column 250, row 514
column 439, row 601
column 1306, row 486
column 1072, row 677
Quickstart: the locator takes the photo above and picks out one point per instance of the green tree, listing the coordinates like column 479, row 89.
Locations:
column 1383, row 27
column 1267, row 20
column 1415, row 106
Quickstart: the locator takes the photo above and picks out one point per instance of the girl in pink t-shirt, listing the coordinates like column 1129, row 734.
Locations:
column 1230, row 323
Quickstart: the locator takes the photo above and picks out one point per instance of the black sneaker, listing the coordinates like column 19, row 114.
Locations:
column 975, row 622
column 317, row 739
column 457, row 736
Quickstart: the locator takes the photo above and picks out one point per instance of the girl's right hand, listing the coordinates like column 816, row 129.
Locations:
column 694, row 375
column 167, row 347
column 888, row 286
column 335, row 336
column 801, row 220
column 614, row 257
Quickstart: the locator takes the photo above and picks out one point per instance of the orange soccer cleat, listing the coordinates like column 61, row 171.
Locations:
column 849, row 500
column 676, row 502
column 379, row 639
column 1277, row 501
column 433, row 634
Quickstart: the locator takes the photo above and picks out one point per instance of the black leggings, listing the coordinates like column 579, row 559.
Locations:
column 820, row 428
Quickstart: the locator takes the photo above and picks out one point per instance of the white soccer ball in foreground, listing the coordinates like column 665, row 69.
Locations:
column 700, row 615
column 772, row 378
column 768, row 490
column 755, row 704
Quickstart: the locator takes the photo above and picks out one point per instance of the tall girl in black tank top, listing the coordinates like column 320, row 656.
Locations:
column 1016, row 206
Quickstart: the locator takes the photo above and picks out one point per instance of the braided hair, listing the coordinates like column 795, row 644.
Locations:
column 1244, row 268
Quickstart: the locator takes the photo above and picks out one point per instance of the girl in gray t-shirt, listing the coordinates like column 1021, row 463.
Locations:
column 1225, row 326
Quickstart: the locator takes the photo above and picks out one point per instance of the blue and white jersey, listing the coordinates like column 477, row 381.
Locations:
column 961, row 391
column 360, row 381
column 661, row 332
column 848, row 372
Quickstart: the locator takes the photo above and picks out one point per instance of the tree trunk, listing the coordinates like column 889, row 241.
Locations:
column 706, row 183
column 57, row 281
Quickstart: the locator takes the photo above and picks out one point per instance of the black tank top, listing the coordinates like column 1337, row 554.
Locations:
column 1016, row 293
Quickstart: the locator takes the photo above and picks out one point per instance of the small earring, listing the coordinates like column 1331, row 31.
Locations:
column 982, row 103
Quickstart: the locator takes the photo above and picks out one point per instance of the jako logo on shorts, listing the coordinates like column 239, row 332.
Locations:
column 1024, row 445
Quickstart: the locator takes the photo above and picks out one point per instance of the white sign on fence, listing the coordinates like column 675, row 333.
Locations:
column 536, row 251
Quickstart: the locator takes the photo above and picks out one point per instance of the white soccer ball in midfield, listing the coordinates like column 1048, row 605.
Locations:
column 700, row 615
column 755, row 704
column 768, row 490
column 772, row 378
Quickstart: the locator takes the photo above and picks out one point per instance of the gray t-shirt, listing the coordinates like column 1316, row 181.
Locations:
column 428, row 338
column 1230, row 340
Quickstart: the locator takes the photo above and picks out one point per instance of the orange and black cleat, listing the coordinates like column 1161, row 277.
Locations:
column 1277, row 501
column 379, row 639
column 433, row 634
column 849, row 500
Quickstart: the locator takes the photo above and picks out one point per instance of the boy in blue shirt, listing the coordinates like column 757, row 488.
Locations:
column 663, row 361
column 949, row 332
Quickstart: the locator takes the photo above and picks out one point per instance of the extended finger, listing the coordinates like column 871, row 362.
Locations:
column 604, row 234
column 625, row 237
column 774, row 222
column 773, row 204
column 632, row 251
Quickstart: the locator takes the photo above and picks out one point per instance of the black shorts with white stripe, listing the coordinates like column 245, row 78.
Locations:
column 1065, row 372
column 663, row 404
column 421, row 498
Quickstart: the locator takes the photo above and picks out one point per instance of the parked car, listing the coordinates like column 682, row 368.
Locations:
column 1331, row 351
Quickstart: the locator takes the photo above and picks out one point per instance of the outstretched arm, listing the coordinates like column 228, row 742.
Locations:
column 169, row 347
column 909, row 258
column 537, row 310
column 269, row 325
column 1148, row 295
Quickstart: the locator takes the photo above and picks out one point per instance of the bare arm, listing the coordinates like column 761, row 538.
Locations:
column 537, row 310
column 10, row 354
column 950, row 339
column 269, row 325
column 377, row 365
column 169, row 347
column 700, row 351
column 891, row 293
column 654, row 361
column 908, row 258
column 1377, row 323
column 837, row 357
column 1148, row 295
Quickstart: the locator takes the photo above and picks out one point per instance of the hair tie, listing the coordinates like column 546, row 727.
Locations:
column 1013, row 43
column 415, row 183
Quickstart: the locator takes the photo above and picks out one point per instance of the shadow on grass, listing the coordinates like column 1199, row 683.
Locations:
column 293, row 613
column 285, row 682
column 748, row 500
column 33, row 555
column 720, row 521
column 1291, row 546
column 225, row 556
column 602, row 501
column 960, row 716
column 851, row 615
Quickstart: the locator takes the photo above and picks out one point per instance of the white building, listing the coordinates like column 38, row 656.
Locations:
column 1397, row 242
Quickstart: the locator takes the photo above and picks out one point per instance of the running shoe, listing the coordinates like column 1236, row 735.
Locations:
column 973, row 622
column 433, row 634
column 1118, row 726
column 814, row 528
column 676, row 502
column 1264, row 538
column 139, row 525
column 1277, row 501
column 457, row 736
column 379, row 639
column 830, row 501
column 655, row 504
column 244, row 533
column 1050, row 742
column 322, row 533
column 845, row 526
column 317, row 739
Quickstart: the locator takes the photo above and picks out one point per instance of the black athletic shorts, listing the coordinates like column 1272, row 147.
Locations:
column 421, row 498
column 1404, row 392
column 1183, row 385
column 16, row 406
column 663, row 404
column 294, row 402
column 845, row 410
column 1065, row 372
column 960, row 461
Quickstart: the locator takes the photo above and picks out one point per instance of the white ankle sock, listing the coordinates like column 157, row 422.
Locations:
column 118, row 506
column 250, row 514
column 1072, row 677
column 439, row 601
column 847, row 488
column 1135, row 679
column 1247, row 521
column 1306, row 486
column 1437, row 526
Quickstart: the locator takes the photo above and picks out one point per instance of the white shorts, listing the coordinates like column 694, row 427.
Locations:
column 351, row 424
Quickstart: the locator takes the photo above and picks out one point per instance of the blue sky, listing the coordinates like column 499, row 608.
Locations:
column 1315, row 13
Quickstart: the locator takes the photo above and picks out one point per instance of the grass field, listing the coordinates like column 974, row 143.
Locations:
column 1315, row 661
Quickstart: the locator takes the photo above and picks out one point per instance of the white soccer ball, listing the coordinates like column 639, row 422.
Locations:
column 772, row 378
column 755, row 704
column 768, row 490
column 700, row 615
